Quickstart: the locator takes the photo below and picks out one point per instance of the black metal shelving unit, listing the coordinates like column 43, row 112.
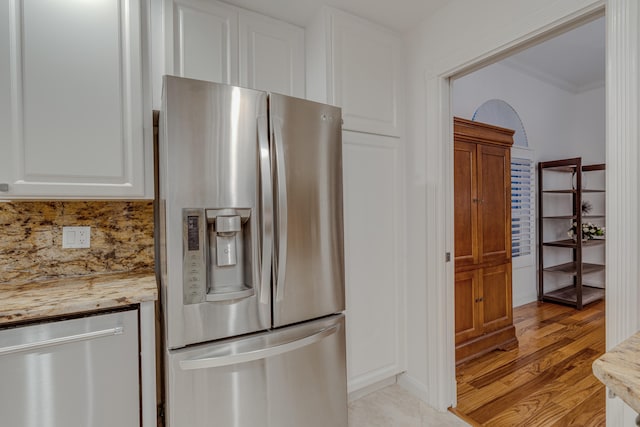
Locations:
column 578, row 292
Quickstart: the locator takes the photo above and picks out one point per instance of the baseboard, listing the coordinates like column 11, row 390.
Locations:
column 413, row 386
column 362, row 392
column 363, row 381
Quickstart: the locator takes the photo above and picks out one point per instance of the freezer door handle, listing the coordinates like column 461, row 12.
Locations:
column 266, row 194
column 250, row 356
column 61, row 340
column 281, row 260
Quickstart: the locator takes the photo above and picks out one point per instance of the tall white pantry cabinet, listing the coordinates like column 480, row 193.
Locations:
column 356, row 65
column 71, row 100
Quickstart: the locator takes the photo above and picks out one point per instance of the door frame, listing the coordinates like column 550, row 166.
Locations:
column 622, row 156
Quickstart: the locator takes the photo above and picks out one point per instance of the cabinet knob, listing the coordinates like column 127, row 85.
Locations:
column 4, row 187
column 479, row 299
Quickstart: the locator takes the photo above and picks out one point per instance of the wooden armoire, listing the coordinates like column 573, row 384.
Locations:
column 482, row 206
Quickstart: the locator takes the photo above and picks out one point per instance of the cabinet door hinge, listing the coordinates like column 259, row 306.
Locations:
column 447, row 257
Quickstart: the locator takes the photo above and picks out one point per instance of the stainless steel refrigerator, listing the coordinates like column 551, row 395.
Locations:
column 251, row 258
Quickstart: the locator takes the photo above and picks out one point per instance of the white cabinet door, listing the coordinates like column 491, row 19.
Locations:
column 374, row 230
column 205, row 41
column 271, row 55
column 213, row 41
column 355, row 64
column 71, row 105
column 6, row 130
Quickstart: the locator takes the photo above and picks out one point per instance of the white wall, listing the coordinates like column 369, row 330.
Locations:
column 559, row 124
column 589, row 129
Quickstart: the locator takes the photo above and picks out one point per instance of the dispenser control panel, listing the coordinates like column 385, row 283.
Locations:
column 194, row 265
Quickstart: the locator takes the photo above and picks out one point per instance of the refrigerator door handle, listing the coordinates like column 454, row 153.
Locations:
column 61, row 340
column 281, row 260
column 266, row 194
column 250, row 356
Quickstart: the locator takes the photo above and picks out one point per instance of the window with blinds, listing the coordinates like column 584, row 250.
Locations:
column 521, row 206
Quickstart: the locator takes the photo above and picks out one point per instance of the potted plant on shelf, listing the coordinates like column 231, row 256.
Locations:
column 589, row 230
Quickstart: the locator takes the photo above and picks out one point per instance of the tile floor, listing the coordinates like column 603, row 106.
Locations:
column 393, row 406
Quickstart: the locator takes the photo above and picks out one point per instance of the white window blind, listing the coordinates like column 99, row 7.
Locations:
column 521, row 206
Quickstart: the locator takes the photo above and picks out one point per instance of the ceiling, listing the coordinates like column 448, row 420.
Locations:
column 573, row 61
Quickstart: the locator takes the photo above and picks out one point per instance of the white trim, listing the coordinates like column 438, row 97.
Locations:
column 623, row 131
column 365, row 382
column 414, row 387
column 360, row 393
column 441, row 387
column 148, row 364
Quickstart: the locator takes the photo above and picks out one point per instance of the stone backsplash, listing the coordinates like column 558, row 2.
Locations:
column 31, row 239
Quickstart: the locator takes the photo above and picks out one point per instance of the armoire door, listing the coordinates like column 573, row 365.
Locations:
column 496, row 306
column 494, row 203
column 467, row 314
column 465, row 201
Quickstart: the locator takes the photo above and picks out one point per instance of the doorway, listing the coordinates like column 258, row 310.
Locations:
column 432, row 130
column 553, row 96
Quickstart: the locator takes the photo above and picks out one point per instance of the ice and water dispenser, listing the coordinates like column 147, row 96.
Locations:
column 217, row 255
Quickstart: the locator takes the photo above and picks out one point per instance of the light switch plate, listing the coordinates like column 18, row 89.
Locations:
column 76, row 237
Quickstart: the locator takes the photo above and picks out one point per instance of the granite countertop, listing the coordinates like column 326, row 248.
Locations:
column 619, row 369
column 49, row 298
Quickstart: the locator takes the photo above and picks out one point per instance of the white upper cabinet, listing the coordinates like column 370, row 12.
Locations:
column 71, row 103
column 271, row 55
column 355, row 64
column 205, row 41
column 213, row 41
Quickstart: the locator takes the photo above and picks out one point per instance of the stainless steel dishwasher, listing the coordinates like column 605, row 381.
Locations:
column 80, row 372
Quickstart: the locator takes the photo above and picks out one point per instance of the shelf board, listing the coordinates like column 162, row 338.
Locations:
column 570, row 243
column 571, row 268
column 573, row 217
column 569, row 295
column 560, row 191
column 561, row 169
column 570, row 165
column 572, row 191
column 598, row 167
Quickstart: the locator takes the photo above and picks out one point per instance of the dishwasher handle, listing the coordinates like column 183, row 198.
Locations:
column 118, row 330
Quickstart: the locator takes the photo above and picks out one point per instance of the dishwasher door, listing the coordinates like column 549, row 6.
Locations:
column 72, row 373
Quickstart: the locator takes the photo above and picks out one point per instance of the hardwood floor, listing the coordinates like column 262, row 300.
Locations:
column 547, row 381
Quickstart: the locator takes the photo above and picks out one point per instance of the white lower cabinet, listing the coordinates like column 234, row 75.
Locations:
column 374, row 230
column 71, row 104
